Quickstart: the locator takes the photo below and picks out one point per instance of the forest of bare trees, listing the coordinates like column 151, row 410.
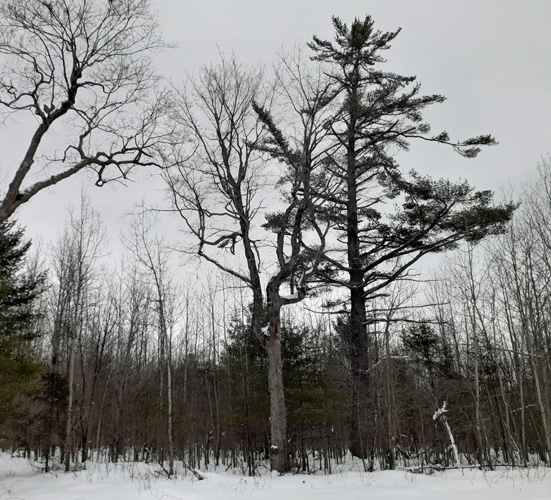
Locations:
column 144, row 369
column 308, row 332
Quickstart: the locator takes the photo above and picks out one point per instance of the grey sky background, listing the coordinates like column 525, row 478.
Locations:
column 490, row 58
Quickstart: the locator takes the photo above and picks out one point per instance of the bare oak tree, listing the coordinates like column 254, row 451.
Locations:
column 215, row 176
column 297, row 141
column 219, row 185
column 80, row 69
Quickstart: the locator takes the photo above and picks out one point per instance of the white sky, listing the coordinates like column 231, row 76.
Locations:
column 490, row 58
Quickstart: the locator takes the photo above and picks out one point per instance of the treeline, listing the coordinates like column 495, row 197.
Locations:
column 121, row 355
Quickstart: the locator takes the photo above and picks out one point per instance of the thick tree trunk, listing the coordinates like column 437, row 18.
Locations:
column 357, row 322
column 359, row 361
column 252, row 265
column 360, row 379
column 279, row 460
column 257, row 313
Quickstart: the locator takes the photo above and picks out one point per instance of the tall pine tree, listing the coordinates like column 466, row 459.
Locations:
column 377, row 114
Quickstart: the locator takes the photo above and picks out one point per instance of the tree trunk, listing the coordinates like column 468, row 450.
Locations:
column 279, row 460
column 166, row 360
column 542, row 407
column 360, row 378
column 357, row 321
column 69, row 427
column 170, row 430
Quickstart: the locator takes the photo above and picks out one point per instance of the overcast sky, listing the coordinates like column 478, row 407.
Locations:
column 491, row 59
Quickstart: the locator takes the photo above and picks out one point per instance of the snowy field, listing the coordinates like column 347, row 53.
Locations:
column 20, row 481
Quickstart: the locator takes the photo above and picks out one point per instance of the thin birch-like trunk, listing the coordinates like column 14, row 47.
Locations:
column 69, row 423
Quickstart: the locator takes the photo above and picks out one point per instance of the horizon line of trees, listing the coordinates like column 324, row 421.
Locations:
column 480, row 352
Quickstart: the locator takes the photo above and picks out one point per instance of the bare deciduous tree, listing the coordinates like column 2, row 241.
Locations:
column 79, row 69
column 218, row 190
column 76, row 256
column 215, row 176
column 299, row 143
column 151, row 254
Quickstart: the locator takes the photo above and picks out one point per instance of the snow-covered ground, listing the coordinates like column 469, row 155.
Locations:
column 20, row 481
